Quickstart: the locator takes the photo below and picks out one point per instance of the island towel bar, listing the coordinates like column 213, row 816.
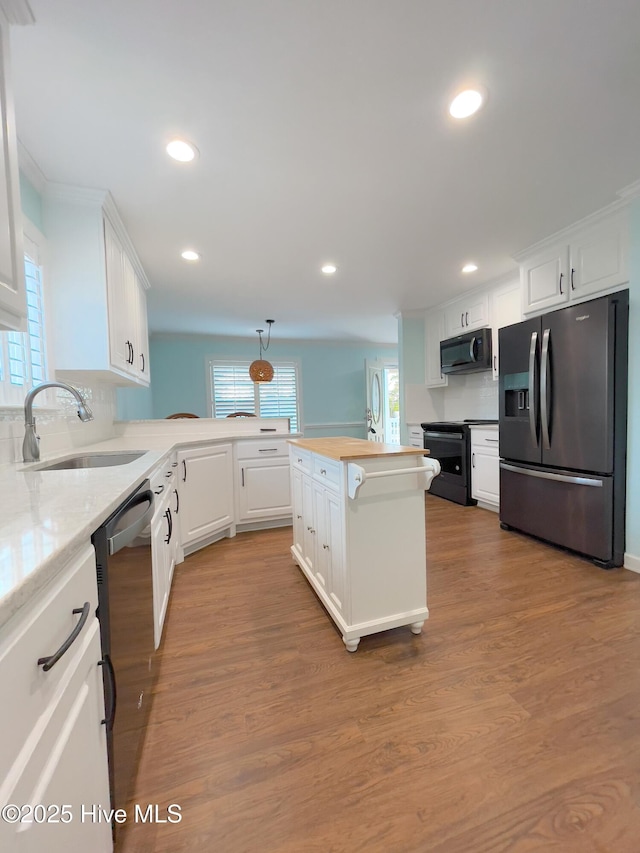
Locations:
column 356, row 475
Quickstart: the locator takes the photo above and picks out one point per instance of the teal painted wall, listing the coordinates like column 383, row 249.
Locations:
column 31, row 202
column 332, row 377
column 633, row 421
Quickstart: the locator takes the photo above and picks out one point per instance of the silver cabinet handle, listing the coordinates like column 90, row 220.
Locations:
column 492, row 439
column 268, row 450
column 323, row 470
column 473, row 460
column 326, row 547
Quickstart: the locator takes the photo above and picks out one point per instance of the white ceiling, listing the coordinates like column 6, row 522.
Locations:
column 323, row 134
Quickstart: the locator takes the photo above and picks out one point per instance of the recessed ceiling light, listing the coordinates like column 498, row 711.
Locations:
column 466, row 103
column 190, row 255
column 181, row 150
column 329, row 269
column 469, row 268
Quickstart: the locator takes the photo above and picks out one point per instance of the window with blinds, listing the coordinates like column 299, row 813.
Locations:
column 232, row 390
column 23, row 354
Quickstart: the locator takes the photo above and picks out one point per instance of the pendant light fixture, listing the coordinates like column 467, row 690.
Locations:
column 261, row 370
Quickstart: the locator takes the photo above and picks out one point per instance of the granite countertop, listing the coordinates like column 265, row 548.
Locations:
column 46, row 516
column 345, row 449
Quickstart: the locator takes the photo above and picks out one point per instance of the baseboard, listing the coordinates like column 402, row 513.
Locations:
column 632, row 563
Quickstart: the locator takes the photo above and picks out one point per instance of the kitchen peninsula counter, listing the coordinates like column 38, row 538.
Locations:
column 343, row 448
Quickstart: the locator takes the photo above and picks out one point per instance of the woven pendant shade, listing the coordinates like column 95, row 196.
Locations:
column 261, row 370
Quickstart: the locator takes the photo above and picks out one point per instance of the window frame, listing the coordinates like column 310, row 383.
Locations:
column 210, row 361
column 12, row 396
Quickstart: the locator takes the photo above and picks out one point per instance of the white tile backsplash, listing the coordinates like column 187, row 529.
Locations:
column 58, row 424
column 474, row 395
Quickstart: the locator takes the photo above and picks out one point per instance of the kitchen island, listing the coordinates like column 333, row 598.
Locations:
column 359, row 531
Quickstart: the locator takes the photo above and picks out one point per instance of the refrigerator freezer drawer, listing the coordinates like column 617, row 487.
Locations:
column 567, row 508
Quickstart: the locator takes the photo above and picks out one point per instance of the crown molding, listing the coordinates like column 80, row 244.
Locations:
column 631, row 191
column 30, row 169
column 16, row 12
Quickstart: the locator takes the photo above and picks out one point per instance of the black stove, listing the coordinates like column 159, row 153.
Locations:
column 450, row 443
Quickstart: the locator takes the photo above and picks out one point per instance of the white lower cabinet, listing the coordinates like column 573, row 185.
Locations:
column 53, row 750
column 263, row 482
column 485, row 467
column 365, row 557
column 205, row 478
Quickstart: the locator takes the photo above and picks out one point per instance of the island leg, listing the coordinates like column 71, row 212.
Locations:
column 416, row 627
column 352, row 645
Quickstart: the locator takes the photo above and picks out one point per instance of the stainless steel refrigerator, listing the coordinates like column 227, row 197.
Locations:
column 563, row 427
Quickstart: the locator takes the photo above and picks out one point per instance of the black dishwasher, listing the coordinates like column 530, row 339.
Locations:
column 125, row 612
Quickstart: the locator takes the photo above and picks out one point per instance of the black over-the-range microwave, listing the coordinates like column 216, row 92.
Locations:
column 467, row 353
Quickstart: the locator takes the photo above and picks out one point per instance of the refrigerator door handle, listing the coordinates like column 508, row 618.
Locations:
column 533, row 390
column 548, row 475
column 545, row 387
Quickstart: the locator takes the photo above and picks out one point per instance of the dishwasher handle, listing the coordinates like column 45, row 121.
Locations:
column 119, row 540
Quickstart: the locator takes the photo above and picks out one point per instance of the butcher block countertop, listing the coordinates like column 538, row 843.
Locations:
column 344, row 448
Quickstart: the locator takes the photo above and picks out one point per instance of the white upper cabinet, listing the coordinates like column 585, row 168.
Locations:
column 506, row 309
column 588, row 260
column 98, row 289
column 434, row 333
column 13, row 301
column 466, row 314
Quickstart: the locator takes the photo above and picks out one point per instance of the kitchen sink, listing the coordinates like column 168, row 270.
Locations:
column 92, row 460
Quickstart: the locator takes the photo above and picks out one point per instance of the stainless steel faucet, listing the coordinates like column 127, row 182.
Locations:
column 31, row 443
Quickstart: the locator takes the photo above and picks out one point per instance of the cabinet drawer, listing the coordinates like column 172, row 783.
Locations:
column 37, row 631
column 485, row 438
column 300, row 459
column 164, row 477
column 262, row 448
column 327, row 471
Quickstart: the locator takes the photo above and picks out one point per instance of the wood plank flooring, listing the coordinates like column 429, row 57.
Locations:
column 511, row 724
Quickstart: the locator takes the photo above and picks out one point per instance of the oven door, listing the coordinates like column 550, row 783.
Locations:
column 451, row 449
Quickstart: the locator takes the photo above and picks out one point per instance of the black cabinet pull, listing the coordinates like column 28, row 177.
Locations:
column 561, row 290
column 242, row 472
column 494, row 361
column 142, row 357
column 473, row 460
column 113, row 696
column 184, row 470
column 167, row 515
column 177, row 509
column 159, row 490
column 52, row 660
column 462, row 320
column 466, row 317
column 573, row 287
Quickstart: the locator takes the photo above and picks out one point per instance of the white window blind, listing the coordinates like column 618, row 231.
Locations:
column 232, row 390
column 23, row 354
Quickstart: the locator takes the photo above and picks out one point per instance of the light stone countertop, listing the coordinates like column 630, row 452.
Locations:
column 46, row 516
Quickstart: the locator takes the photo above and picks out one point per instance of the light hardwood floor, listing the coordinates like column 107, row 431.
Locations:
column 511, row 724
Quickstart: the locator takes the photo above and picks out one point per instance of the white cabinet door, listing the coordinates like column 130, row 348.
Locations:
column 545, row 279
column 159, row 554
column 466, row 315
column 13, row 300
column 67, row 766
column 506, row 309
column 434, row 333
column 332, row 543
column 296, row 494
column 141, row 333
column 599, row 258
column 206, row 491
column 485, row 466
column 320, row 536
column 264, row 488
column 119, row 334
column 308, row 521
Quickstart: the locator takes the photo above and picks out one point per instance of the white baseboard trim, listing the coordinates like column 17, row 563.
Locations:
column 632, row 563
